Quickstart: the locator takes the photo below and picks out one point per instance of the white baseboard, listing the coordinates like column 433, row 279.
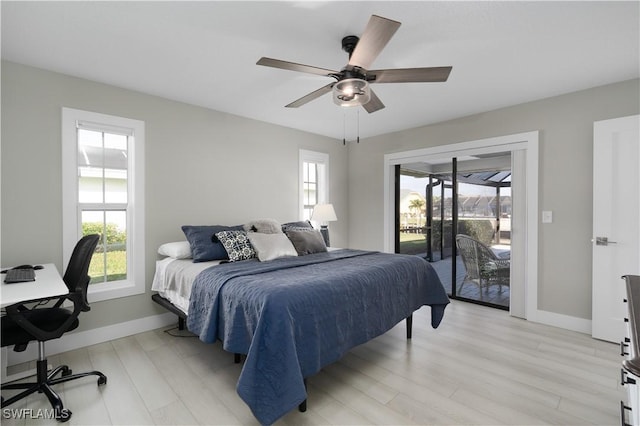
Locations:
column 567, row 322
column 81, row 339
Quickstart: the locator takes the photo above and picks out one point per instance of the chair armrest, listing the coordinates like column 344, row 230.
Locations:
column 19, row 313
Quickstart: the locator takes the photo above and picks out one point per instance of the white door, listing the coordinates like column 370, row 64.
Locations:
column 616, row 217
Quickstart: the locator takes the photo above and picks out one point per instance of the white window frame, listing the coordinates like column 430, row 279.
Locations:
column 322, row 161
column 71, row 221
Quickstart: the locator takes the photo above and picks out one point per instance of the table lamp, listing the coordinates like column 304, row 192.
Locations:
column 324, row 213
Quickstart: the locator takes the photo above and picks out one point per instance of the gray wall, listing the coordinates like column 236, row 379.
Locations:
column 202, row 167
column 566, row 140
column 206, row 167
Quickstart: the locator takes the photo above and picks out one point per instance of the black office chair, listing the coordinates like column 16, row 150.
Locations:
column 32, row 320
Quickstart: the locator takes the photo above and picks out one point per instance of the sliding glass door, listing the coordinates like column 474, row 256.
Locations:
column 456, row 214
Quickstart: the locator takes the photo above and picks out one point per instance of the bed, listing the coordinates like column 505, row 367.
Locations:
column 292, row 316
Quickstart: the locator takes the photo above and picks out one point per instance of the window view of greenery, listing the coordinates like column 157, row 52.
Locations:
column 109, row 262
column 103, row 198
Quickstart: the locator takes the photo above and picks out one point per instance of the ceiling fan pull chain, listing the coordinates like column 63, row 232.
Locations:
column 344, row 128
column 358, row 128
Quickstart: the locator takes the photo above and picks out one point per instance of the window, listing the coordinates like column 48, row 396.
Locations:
column 314, row 181
column 103, row 193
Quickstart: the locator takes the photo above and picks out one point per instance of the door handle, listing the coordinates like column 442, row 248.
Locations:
column 602, row 241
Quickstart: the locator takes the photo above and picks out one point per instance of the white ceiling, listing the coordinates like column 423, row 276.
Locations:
column 204, row 53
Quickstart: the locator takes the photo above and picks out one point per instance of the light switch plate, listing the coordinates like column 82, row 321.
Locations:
column 547, row 216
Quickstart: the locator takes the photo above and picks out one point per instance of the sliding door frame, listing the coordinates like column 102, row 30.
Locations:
column 524, row 278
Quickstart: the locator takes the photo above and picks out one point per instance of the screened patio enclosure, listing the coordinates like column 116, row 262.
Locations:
column 479, row 214
column 473, row 197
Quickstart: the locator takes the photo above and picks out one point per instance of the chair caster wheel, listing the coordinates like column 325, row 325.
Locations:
column 63, row 415
column 66, row 372
column 102, row 381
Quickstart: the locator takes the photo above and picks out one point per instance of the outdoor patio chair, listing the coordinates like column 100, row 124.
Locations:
column 482, row 266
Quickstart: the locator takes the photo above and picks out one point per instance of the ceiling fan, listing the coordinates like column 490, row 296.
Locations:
column 352, row 82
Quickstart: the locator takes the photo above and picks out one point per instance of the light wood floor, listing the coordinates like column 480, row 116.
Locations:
column 479, row 367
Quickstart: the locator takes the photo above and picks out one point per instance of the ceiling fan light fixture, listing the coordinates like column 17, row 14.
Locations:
column 351, row 92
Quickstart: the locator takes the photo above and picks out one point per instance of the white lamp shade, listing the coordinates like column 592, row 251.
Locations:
column 324, row 213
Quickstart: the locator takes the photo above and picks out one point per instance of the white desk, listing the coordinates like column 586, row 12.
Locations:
column 48, row 283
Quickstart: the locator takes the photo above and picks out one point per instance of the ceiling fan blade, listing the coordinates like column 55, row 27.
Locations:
column 311, row 96
column 292, row 66
column 374, row 104
column 410, row 75
column 375, row 37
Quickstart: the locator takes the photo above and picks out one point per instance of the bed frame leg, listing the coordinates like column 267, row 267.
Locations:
column 180, row 323
column 236, row 358
column 303, row 405
column 409, row 326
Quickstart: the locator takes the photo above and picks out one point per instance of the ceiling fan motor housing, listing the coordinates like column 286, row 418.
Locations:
column 352, row 72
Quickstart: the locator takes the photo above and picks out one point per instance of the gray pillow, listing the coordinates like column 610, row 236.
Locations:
column 296, row 225
column 307, row 241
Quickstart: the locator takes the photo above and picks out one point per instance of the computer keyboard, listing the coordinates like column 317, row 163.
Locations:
column 20, row 275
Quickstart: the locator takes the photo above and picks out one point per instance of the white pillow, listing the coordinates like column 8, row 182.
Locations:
column 177, row 250
column 271, row 246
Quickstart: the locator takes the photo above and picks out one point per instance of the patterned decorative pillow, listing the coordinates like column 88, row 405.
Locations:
column 237, row 245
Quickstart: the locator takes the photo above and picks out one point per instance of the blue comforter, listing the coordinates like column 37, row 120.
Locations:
column 293, row 316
